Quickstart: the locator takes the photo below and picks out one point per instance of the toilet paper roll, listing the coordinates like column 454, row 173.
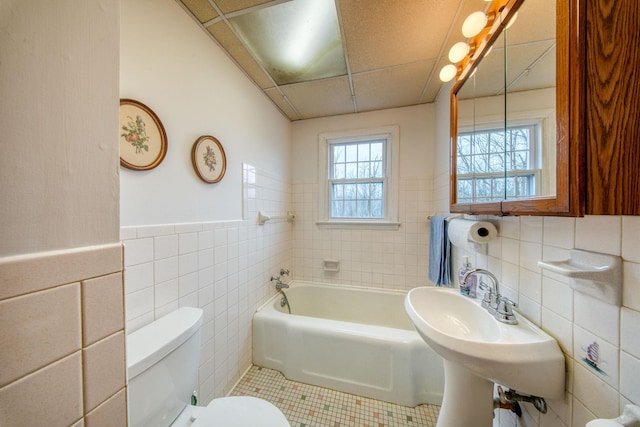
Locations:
column 469, row 235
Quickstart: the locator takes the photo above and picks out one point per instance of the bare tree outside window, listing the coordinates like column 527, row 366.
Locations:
column 497, row 164
column 357, row 179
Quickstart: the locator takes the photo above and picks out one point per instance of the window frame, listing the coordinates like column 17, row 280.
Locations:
column 539, row 127
column 391, row 180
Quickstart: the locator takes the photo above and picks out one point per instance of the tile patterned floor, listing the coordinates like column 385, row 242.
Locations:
column 310, row 406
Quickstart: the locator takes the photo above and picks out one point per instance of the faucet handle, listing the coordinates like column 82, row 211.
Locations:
column 505, row 306
column 504, row 311
column 488, row 296
column 284, row 272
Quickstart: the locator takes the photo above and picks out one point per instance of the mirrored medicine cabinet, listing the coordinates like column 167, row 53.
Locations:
column 515, row 107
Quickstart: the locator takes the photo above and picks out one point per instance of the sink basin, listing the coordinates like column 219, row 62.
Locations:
column 480, row 350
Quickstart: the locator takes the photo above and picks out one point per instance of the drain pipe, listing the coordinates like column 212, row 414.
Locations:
column 284, row 301
column 511, row 405
column 509, row 400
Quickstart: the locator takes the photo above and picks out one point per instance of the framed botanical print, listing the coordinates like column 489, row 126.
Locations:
column 209, row 161
column 143, row 140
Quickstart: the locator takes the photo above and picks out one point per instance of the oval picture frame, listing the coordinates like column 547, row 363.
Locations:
column 143, row 140
column 208, row 159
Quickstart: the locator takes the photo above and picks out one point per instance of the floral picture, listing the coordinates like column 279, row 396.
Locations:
column 136, row 134
column 209, row 161
column 143, row 141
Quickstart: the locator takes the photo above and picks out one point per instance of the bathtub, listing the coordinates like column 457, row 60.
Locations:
column 351, row 339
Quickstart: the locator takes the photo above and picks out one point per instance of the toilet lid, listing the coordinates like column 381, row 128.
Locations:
column 236, row 411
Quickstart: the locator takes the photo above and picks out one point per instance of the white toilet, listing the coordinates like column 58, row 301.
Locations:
column 162, row 366
column 630, row 418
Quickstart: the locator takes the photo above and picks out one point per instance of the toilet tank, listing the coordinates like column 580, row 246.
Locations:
column 163, row 358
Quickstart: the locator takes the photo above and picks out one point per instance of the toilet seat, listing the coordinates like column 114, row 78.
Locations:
column 236, row 411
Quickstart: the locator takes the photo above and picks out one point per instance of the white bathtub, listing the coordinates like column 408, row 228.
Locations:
column 351, row 339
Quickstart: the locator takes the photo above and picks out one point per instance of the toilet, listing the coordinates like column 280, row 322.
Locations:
column 630, row 418
column 163, row 359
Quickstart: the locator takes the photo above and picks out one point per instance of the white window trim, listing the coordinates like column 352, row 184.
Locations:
column 390, row 221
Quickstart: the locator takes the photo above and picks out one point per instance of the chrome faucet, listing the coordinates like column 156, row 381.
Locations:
column 279, row 283
column 497, row 305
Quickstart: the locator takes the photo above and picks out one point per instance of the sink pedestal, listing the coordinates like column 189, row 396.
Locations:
column 467, row 400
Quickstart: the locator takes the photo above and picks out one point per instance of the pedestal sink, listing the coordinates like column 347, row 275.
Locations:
column 479, row 351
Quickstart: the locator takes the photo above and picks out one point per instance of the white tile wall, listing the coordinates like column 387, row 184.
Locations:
column 224, row 268
column 574, row 319
column 369, row 258
column 221, row 267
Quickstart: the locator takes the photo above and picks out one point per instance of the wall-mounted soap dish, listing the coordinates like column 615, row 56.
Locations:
column 331, row 265
column 592, row 273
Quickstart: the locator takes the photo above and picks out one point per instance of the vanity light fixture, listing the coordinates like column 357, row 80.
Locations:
column 448, row 72
column 458, row 51
column 474, row 24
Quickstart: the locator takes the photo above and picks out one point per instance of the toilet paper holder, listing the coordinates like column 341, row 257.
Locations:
column 471, row 235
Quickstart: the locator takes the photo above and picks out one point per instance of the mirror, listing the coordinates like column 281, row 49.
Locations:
column 530, row 58
column 509, row 120
column 480, row 143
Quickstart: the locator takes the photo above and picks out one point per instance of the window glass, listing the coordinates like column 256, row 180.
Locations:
column 357, row 179
column 483, row 156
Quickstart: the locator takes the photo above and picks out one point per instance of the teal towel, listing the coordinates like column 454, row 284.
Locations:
column 439, row 252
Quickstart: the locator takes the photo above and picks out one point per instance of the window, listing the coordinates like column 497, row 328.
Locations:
column 358, row 184
column 495, row 164
column 357, row 179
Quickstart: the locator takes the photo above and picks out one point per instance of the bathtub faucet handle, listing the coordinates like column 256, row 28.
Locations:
column 284, row 272
column 279, row 283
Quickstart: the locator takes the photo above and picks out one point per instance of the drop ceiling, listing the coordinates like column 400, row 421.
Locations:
column 393, row 49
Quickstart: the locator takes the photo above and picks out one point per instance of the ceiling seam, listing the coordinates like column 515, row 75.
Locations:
column 257, row 7
column 529, row 68
column 186, row 9
column 439, row 57
column 228, row 24
column 346, row 57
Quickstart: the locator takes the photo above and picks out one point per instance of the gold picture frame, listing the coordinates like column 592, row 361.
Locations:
column 208, row 159
column 143, row 140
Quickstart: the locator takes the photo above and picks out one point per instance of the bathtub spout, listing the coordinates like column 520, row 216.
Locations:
column 280, row 285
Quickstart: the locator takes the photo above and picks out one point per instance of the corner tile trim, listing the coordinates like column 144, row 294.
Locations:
column 24, row 274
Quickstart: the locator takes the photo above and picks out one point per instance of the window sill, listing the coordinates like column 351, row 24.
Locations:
column 356, row 224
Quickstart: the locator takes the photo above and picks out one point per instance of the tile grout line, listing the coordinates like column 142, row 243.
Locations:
column 305, row 405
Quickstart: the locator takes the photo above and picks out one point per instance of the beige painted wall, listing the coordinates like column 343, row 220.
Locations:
column 59, row 118
column 61, row 299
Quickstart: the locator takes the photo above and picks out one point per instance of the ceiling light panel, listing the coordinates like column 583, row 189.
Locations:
column 296, row 41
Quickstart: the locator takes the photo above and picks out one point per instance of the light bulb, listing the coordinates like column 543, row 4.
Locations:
column 448, row 72
column 458, row 52
column 474, row 24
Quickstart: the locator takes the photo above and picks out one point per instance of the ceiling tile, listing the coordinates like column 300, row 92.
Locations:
column 201, row 9
column 282, row 103
column 228, row 6
column 221, row 32
column 320, row 98
column 536, row 20
column 391, row 87
column 532, row 66
column 387, row 33
column 434, row 85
